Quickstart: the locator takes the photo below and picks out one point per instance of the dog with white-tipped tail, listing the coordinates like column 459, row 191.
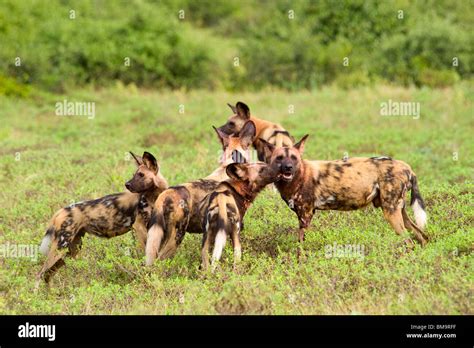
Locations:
column 226, row 208
column 348, row 184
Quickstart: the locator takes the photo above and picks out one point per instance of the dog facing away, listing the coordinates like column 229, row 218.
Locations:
column 273, row 133
column 107, row 217
column 225, row 208
column 179, row 209
column 307, row 186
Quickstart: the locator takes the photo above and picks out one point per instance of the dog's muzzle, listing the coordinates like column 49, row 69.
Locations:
column 286, row 173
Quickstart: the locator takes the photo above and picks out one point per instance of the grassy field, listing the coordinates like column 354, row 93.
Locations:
column 49, row 161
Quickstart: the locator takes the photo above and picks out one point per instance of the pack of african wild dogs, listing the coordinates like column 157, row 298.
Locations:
column 160, row 215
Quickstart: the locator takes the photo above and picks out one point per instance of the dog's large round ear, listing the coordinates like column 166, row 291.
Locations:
column 224, row 138
column 300, row 144
column 247, row 133
column 243, row 110
column 233, row 108
column 236, row 171
column 138, row 159
column 150, row 161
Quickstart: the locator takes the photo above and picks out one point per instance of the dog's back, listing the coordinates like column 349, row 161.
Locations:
column 356, row 181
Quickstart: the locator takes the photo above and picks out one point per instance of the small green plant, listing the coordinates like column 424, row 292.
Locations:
column 10, row 87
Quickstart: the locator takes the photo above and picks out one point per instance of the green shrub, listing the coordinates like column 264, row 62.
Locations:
column 438, row 78
column 353, row 79
column 10, row 87
column 92, row 48
column 413, row 47
column 306, row 51
column 425, row 54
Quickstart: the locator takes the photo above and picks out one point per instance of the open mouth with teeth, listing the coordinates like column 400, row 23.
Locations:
column 286, row 176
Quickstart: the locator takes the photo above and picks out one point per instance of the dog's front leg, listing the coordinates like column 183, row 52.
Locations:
column 301, row 232
column 305, row 215
column 304, row 219
column 140, row 230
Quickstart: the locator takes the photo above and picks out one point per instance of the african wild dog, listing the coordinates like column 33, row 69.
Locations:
column 226, row 206
column 149, row 183
column 307, row 186
column 108, row 217
column 179, row 208
column 271, row 132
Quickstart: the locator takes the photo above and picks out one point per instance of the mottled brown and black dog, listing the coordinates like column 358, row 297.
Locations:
column 307, row 186
column 107, row 217
column 225, row 208
column 271, row 132
column 179, row 209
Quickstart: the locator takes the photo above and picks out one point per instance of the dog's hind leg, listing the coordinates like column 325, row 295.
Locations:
column 410, row 225
column 176, row 214
column 236, row 244
column 168, row 249
column 395, row 218
column 206, row 244
column 172, row 241
column 176, row 230
column 54, row 261
column 153, row 243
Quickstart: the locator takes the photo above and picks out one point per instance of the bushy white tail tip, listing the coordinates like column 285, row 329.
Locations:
column 420, row 215
column 44, row 247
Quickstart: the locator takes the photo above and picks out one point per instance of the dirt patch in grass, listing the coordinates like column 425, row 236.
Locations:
column 154, row 139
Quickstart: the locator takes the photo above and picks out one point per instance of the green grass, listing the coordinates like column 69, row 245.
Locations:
column 66, row 159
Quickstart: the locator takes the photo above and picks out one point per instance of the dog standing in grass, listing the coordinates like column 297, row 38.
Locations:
column 179, row 209
column 307, row 186
column 273, row 133
column 107, row 217
column 226, row 206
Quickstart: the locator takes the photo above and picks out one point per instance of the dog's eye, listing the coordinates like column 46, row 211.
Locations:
column 293, row 157
column 279, row 158
column 231, row 124
column 141, row 175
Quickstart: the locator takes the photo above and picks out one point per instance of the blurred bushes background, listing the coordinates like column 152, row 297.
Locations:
column 201, row 50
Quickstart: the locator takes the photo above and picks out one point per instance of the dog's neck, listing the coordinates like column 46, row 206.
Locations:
column 247, row 192
column 152, row 194
column 242, row 194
